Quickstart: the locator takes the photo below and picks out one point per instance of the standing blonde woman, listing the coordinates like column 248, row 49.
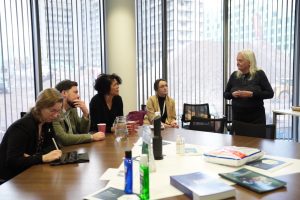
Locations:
column 248, row 87
column 28, row 141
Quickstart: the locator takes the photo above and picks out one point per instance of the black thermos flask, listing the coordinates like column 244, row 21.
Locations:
column 157, row 139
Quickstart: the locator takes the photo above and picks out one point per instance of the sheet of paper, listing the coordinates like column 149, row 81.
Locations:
column 111, row 172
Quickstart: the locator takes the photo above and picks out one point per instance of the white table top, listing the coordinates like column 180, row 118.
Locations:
column 286, row 112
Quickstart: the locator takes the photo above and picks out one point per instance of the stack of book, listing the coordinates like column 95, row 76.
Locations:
column 200, row 186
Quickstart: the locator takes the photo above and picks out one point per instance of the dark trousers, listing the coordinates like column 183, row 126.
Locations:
column 254, row 116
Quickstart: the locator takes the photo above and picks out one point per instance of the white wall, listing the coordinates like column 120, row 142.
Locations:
column 121, row 48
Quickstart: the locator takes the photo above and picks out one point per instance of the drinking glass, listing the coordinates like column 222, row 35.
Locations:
column 121, row 131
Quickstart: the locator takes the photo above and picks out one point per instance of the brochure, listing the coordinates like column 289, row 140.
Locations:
column 110, row 193
column 268, row 164
column 254, row 181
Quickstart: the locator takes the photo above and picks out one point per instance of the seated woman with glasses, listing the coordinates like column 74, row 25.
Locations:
column 29, row 140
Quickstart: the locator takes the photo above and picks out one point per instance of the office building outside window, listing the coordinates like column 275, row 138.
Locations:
column 267, row 27
column 195, row 45
column 72, row 47
column 72, row 43
column 16, row 61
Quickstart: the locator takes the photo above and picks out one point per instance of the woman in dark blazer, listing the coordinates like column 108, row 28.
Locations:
column 28, row 141
column 248, row 87
column 106, row 105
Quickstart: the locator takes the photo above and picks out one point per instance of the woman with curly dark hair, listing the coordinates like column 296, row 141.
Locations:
column 106, row 105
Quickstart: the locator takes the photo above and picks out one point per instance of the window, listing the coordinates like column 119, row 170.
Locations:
column 195, row 50
column 149, row 46
column 195, row 64
column 72, row 43
column 273, row 49
column 72, row 47
column 16, row 62
column 195, row 60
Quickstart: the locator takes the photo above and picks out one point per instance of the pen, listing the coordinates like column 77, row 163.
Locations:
column 55, row 144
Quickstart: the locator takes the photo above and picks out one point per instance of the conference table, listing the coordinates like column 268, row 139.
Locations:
column 75, row 181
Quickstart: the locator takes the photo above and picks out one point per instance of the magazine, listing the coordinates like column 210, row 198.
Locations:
column 110, row 193
column 270, row 164
column 254, row 181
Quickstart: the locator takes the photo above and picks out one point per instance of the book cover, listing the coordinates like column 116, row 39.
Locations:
column 254, row 181
column 202, row 186
column 268, row 164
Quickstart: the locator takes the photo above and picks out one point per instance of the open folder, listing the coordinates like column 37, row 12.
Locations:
column 71, row 157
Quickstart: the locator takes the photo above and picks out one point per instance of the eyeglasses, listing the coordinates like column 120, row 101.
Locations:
column 54, row 111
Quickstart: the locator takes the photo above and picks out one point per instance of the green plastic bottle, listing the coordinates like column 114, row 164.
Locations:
column 144, row 178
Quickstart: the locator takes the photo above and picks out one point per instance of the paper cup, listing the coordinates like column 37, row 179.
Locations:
column 101, row 127
column 132, row 126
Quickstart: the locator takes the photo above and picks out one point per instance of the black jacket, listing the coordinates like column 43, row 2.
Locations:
column 259, row 85
column 22, row 138
column 100, row 113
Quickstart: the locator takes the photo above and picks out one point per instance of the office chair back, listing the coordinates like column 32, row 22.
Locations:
column 270, row 131
column 207, row 124
column 22, row 114
column 2, row 181
column 143, row 107
column 253, row 130
column 190, row 110
column 228, row 115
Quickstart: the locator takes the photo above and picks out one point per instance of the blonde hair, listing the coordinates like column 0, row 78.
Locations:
column 250, row 56
column 46, row 99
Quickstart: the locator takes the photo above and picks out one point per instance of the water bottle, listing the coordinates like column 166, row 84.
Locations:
column 128, row 172
column 144, row 178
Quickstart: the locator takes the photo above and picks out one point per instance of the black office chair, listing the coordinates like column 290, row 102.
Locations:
column 228, row 115
column 253, row 130
column 190, row 110
column 22, row 114
column 207, row 124
column 2, row 181
column 143, row 107
column 270, row 131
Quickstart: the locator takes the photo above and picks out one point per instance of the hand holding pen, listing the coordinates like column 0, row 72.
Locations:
column 55, row 144
column 52, row 155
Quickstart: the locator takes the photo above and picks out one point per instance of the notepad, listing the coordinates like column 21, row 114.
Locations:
column 254, row 181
